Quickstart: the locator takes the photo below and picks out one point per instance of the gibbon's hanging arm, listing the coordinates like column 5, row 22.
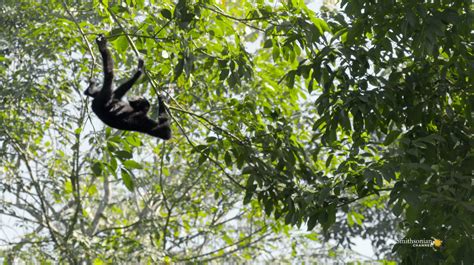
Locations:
column 120, row 114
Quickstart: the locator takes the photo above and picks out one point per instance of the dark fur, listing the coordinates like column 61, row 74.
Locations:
column 117, row 113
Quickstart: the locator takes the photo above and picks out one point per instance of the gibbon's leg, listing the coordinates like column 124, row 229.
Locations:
column 162, row 115
column 108, row 63
column 162, row 130
column 121, row 90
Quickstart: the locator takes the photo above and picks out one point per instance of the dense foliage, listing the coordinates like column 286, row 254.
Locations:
column 353, row 121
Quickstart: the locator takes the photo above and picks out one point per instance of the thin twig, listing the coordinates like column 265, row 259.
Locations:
column 83, row 37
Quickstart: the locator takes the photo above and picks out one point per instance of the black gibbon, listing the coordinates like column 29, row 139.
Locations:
column 120, row 114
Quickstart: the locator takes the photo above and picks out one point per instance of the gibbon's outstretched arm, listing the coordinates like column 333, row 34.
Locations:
column 123, row 89
column 108, row 65
column 125, row 115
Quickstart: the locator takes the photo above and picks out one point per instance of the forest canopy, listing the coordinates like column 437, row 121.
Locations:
column 298, row 129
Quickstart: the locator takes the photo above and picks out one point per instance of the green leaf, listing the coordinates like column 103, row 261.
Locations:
column 122, row 154
column 166, row 14
column 248, row 196
column 344, row 120
column 291, row 78
column 268, row 206
column 121, row 44
column 97, row 168
column 312, row 221
column 350, row 219
column 391, row 137
column 68, row 187
column 134, row 140
column 318, row 123
column 329, row 160
column 224, row 74
column 312, row 236
column 397, row 209
column 247, row 170
column 178, row 70
column 115, row 33
column 411, row 214
column 329, row 217
column 98, row 261
column 211, row 139
column 268, row 44
column 289, row 218
column 132, row 164
column 222, row 63
column 310, row 86
column 412, row 198
column 202, row 159
column 228, row 159
column 250, row 186
column 127, row 179
column 227, row 239
column 276, row 53
column 199, row 148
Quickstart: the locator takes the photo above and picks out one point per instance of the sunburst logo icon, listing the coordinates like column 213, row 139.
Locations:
column 437, row 242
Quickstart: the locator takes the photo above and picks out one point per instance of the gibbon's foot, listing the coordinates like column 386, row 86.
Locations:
column 140, row 64
column 101, row 40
